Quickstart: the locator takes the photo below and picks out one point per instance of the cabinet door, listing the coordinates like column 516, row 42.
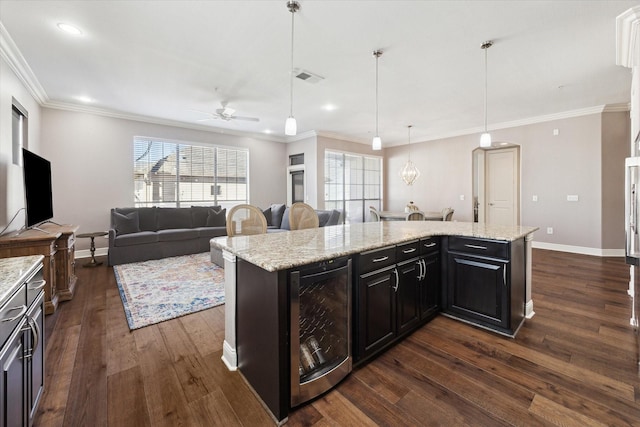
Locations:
column 34, row 343
column 477, row 289
column 377, row 310
column 430, row 286
column 407, row 298
column 12, row 383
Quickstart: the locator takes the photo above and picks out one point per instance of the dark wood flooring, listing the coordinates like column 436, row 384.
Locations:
column 574, row 364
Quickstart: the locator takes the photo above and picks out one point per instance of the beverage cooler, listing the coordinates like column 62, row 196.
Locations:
column 320, row 336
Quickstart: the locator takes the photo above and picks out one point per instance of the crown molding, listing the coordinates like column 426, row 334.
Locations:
column 11, row 55
column 334, row 135
column 300, row 136
column 628, row 38
column 599, row 109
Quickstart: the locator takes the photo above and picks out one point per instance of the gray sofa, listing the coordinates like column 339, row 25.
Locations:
column 141, row 234
column 278, row 217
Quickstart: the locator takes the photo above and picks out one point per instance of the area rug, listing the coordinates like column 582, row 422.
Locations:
column 159, row 290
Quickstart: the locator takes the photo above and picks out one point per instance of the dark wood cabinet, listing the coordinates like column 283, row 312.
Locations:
column 485, row 283
column 397, row 295
column 22, row 354
column 431, row 282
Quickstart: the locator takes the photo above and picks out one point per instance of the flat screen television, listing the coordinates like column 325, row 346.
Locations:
column 37, row 188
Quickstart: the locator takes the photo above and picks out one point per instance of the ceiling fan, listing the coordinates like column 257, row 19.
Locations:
column 225, row 113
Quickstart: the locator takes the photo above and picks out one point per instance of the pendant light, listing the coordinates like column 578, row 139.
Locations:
column 290, row 126
column 485, row 138
column 409, row 173
column 377, row 141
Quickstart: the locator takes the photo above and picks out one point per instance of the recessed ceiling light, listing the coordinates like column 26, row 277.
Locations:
column 84, row 99
column 268, row 131
column 70, row 29
column 329, row 107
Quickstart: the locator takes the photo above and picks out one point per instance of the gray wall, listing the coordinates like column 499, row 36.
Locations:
column 586, row 159
column 11, row 181
column 92, row 167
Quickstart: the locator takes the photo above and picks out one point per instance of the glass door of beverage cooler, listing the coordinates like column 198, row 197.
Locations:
column 320, row 328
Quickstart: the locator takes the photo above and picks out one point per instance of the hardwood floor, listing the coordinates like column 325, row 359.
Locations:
column 575, row 363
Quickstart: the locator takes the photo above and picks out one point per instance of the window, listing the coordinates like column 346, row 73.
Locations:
column 19, row 128
column 352, row 184
column 171, row 174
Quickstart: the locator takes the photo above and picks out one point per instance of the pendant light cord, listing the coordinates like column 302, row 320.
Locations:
column 409, row 141
column 293, row 12
column 485, row 88
column 377, row 56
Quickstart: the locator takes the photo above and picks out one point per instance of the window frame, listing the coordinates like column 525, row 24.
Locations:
column 377, row 202
column 172, row 153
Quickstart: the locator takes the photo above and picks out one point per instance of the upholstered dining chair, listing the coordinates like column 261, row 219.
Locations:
column 373, row 213
column 415, row 216
column 245, row 220
column 303, row 216
column 447, row 213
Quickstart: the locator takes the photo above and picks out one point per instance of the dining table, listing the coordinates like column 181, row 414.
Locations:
column 401, row 216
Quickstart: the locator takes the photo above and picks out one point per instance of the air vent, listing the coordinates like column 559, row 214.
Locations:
column 307, row 76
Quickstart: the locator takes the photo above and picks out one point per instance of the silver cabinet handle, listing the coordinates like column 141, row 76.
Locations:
column 504, row 274
column 36, row 286
column 384, row 258
column 22, row 309
column 484, row 248
column 429, row 245
column 408, row 251
column 424, row 272
column 395, row 271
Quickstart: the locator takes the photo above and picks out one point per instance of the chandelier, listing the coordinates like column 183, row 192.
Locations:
column 409, row 173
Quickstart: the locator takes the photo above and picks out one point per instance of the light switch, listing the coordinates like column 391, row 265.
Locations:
column 556, row 132
column 462, row 197
column 534, row 198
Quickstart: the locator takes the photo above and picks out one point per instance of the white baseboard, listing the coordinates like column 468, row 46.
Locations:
column 578, row 249
column 229, row 356
column 528, row 310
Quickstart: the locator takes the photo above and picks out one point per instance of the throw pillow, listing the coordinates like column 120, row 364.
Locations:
column 277, row 211
column 217, row 218
column 268, row 216
column 285, row 220
column 126, row 224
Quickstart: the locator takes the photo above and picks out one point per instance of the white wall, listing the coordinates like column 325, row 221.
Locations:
column 11, row 181
column 92, row 164
column 577, row 161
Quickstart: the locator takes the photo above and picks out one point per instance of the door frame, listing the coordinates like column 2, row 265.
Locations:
column 290, row 170
column 479, row 177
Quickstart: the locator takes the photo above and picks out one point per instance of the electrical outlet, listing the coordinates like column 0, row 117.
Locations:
column 549, row 230
column 534, row 198
column 462, row 197
column 572, row 198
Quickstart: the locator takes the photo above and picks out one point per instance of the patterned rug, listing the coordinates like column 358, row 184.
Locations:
column 159, row 290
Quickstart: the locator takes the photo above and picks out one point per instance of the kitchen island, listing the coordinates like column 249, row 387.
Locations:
column 494, row 262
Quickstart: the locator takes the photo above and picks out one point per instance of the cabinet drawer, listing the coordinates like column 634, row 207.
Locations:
column 481, row 247
column 429, row 244
column 377, row 258
column 407, row 250
column 35, row 285
column 12, row 313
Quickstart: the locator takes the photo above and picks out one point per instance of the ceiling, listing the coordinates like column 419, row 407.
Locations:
column 162, row 60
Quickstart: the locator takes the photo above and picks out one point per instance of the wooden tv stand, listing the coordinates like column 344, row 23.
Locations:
column 57, row 244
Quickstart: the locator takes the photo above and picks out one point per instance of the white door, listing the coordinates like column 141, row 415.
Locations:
column 502, row 183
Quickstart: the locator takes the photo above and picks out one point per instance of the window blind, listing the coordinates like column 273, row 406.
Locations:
column 170, row 174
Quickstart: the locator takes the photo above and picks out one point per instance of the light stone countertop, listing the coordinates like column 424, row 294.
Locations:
column 13, row 272
column 284, row 250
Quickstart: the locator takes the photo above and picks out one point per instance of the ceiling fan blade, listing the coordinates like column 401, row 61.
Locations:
column 247, row 119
